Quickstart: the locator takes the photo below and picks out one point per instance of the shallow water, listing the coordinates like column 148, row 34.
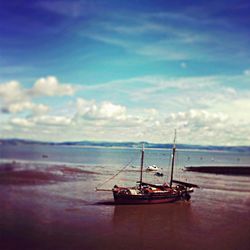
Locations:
column 50, row 202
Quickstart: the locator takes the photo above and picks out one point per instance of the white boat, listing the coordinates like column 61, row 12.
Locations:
column 152, row 168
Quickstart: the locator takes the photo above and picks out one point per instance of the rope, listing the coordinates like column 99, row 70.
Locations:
column 167, row 171
column 112, row 177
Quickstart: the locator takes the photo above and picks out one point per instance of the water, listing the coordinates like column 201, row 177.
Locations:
column 113, row 157
column 48, row 200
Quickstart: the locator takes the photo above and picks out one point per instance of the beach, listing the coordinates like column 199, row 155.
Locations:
column 47, row 205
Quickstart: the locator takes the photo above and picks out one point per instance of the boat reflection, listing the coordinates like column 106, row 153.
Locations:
column 154, row 226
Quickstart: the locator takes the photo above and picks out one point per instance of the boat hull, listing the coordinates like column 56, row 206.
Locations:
column 145, row 199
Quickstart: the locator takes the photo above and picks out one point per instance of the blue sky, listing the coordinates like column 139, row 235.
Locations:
column 125, row 70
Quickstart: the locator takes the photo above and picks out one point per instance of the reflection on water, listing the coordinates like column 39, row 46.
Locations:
column 154, row 226
column 181, row 225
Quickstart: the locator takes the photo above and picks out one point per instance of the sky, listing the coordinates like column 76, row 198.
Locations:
column 126, row 71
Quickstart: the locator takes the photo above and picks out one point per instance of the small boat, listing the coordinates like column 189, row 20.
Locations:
column 159, row 174
column 147, row 193
column 152, row 168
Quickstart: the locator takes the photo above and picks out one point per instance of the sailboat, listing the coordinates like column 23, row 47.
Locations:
column 147, row 193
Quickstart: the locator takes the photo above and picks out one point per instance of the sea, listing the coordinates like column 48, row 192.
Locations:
column 48, row 200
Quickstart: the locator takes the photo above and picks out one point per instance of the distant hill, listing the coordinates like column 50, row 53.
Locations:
column 125, row 144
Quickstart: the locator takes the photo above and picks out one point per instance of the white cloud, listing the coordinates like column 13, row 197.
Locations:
column 51, row 120
column 15, row 98
column 104, row 111
column 208, row 128
column 237, row 108
column 109, row 110
column 12, row 92
column 84, row 106
column 22, row 106
column 50, row 86
column 152, row 113
column 43, row 120
column 197, row 118
column 22, row 122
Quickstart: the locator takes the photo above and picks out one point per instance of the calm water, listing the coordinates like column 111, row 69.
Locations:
column 113, row 157
column 48, row 201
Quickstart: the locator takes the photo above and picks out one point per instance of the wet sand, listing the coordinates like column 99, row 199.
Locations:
column 59, row 209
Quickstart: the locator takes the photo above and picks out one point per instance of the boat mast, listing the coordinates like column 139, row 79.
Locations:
column 173, row 159
column 142, row 163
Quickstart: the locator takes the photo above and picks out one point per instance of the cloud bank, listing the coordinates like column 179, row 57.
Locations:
column 204, row 110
